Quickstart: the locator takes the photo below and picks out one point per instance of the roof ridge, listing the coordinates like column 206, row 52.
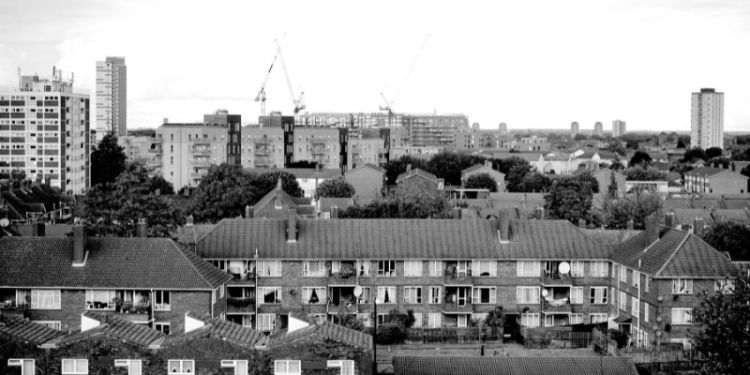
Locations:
column 190, row 262
column 212, row 229
column 674, row 253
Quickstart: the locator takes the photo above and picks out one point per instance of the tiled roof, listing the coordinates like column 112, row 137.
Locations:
column 610, row 236
column 676, row 254
column 139, row 263
column 113, row 326
column 189, row 234
column 368, row 166
column 222, row 329
column 416, row 172
column 398, row 239
column 688, row 215
column 324, row 331
column 340, row 203
column 513, row 365
column 33, row 333
column 302, row 173
column 736, row 215
column 705, row 171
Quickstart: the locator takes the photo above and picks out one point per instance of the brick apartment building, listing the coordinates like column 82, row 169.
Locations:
column 146, row 280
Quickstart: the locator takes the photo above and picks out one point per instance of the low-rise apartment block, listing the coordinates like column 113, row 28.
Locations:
column 715, row 180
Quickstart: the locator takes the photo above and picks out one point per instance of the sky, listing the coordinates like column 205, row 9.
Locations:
column 530, row 64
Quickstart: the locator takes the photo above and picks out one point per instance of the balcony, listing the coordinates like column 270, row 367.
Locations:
column 344, row 274
column 458, row 307
column 139, row 312
column 242, row 278
column 453, row 275
column 262, row 151
column 9, row 309
column 200, row 150
column 240, row 305
column 341, row 300
column 556, row 278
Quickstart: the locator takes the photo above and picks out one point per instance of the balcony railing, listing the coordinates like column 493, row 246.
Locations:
column 12, row 310
column 556, row 278
column 560, row 305
column 459, row 306
column 240, row 304
column 451, row 276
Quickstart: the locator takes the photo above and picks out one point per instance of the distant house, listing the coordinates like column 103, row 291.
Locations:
column 418, row 180
column 307, row 178
column 715, row 180
column 277, row 202
column 604, row 178
column 367, row 181
column 476, row 169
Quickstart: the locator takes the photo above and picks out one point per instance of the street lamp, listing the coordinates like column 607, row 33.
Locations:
column 358, row 293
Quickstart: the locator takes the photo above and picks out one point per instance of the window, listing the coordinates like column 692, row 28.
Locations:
column 162, row 327
column 239, row 365
column 576, row 268
column 527, row 294
column 682, row 286
column 387, row 294
column 598, row 295
column 645, row 312
column 28, row 367
column 599, row 269
column 314, row 269
column 266, row 322
column 598, row 318
column 269, row 268
column 413, row 268
column 634, row 306
column 484, row 295
column 436, row 268
column 623, row 274
column 386, row 268
column 75, row 366
column 682, row 315
column 434, row 295
column 413, row 294
column 100, row 299
column 434, row 320
column 724, row 286
column 530, row 320
column 364, row 267
column 181, row 366
column 161, row 300
column 45, row 299
column 418, row 320
column 365, row 297
column 576, row 295
column 314, row 295
column 528, row 269
column 269, row 294
column 484, row 268
column 646, row 284
column 133, row 366
column 636, row 278
column 54, row 324
column 287, row 367
column 576, row 318
column 623, row 301
column 686, row 343
column 346, row 366
column 614, row 303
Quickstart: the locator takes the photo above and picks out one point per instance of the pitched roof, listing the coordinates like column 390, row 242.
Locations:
column 324, row 331
column 302, row 173
column 688, row 215
column 416, row 172
column 33, row 333
column 112, row 326
column 438, row 365
column 676, row 253
column 341, row 203
column 708, row 171
column 225, row 330
column 366, row 166
column 189, row 234
column 399, row 239
column 138, row 263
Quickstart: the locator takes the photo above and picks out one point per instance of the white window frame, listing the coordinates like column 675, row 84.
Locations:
column 76, row 363
column 599, row 269
column 623, row 300
column 645, row 312
column 412, row 295
column 159, row 326
column 462, row 321
column 613, row 296
column 530, row 320
column 91, row 297
column 240, row 366
column 269, row 268
column 682, row 286
column 435, row 299
column 388, row 268
column 413, row 268
column 436, row 268
column 479, row 267
column 159, row 295
column 527, row 291
column 345, row 365
column 392, row 295
column 36, row 299
column 634, row 307
column 623, row 274
column 24, row 364
column 636, row 279
column 725, row 286
column 133, row 366
column 54, row 324
column 682, row 316
column 279, row 363
column 576, row 318
column 598, row 318
column 598, row 295
column 182, row 365
column 434, row 320
column 577, row 268
column 266, row 322
column 364, row 268
column 525, row 268
column 314, row 268
column 321, row 292
column 477, row 294
column 687, row 344
column 418, row 320
column 263, row 290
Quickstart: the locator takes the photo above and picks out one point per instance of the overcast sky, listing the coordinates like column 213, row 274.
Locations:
column 531, row 64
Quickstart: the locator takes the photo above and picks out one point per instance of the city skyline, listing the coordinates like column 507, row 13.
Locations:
column 495, row 64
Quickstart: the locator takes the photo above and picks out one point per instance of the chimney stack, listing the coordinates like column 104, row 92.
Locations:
column 669, row 220
column 334, row 212
column 488, row 164
column 698, row 226
column 189, row 221
column 248, row 212
column 539, row 213
column 38, row 230
column 503, row 222
column 142, row 228
column 456, row 212
column 582, row 223
column 79, row 245
column 652, row 229
column 291, row 225
column 630, row 224
column 408, row 167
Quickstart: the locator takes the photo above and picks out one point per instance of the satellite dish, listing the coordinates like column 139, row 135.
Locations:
column 545, row 293
column 357, row 291
column 564, row 268
column 4, row 222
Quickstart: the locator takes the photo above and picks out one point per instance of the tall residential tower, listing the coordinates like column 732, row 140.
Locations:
column 618, row 128
column 111, row 97
column 707, row 119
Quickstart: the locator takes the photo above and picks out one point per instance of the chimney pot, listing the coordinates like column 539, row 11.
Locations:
column 669, row 220
column 248, row 212
column 334, row 212
column 652, row 229
column 582, row 223
column 630, row 224
column 698, row 226
column 488, row 164
column 142, row 228
column 79, row 245
column 189, row 221
column 408, row 167
column 540, row 213
column 503, row 221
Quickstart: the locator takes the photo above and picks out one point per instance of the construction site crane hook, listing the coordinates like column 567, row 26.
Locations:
column 297, row 101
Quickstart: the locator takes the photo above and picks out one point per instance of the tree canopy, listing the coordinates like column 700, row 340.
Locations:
column 265, row 182
column 694, row 154
column 615, row 213
column 640, row 158
column 570, row 198
column 713, row 152
column 406, row 204
column 335, row 188
column 730, row 237
column 643, row 174
column 107, row 160
column 481, row 181
column 223, row 192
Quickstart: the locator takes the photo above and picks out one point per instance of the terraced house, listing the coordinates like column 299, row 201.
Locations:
column 150, row 281
column 449, row 272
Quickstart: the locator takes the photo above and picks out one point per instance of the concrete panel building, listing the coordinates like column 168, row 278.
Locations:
column 111, row 97
column 707, row 119
column 715, row 180
column 188, row 150
column 618, row 128
column 598, row 128
column 574, row 129
column 262, row 147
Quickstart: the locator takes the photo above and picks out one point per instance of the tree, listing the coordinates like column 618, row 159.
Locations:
column 730, row 237
column 724, row 333
column 158, row 183
column 514, row 179
column 615, row 213
column 641, row 174
column 395, row 327
column 114, row 209
column 713, row 152
column 481, row 181
column 505, row 165
column 612, row 189
column 570, row 198
column 420, row 205
column 448, row 166
column 107, row 161
column 267, row 181
column 495, row 319
column 580, row 137
column 535, row 182
column 335, row 188
column 223, row 192
column 641, row 159
column 395, row 167
column 694, row 154
column 616, row 165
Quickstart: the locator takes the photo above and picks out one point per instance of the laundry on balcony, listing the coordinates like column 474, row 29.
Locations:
column 556, row 302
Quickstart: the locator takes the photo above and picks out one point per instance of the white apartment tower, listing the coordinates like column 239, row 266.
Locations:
column 574, row 129
column 598, row 128
column 618, row 128
column 707, row 119
column 44, row 132
column 111, row 97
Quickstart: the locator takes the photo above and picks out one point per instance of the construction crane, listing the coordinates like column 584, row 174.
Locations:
column 388, row 107
column 296, row 100
column 261, row 97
